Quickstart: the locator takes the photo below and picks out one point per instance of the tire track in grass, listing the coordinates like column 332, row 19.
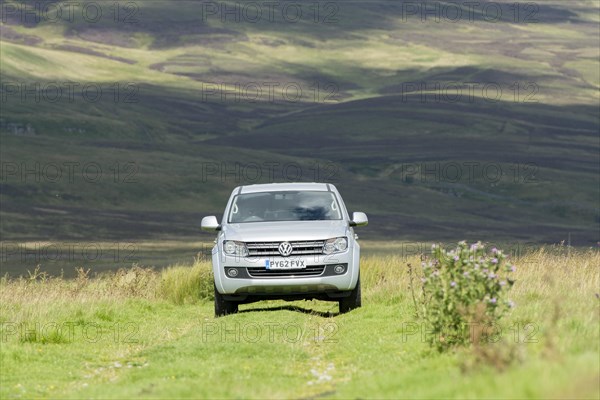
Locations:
column 323, row 374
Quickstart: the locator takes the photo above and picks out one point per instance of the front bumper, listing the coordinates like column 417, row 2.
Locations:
column 253, row 278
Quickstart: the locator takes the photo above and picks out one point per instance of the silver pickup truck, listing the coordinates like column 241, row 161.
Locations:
column 288, row 241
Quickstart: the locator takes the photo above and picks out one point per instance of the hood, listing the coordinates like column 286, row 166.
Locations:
column 285, row 231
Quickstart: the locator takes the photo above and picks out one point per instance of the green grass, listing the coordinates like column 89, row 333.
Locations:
column 147, row 334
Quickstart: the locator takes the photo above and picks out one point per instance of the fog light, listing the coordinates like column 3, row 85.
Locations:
column 339, row 269
column 232, row 272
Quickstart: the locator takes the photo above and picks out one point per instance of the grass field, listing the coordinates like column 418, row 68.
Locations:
column 151, row 334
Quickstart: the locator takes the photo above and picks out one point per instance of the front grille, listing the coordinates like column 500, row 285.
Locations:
column 310, row 247
column 313, row 270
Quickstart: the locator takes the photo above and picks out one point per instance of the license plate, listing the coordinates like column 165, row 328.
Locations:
column 284, row 264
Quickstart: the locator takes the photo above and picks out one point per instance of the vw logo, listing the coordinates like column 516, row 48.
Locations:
column 285, row 249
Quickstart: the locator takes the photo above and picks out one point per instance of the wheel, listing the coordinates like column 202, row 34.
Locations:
column 351, row 302
column 224, row 307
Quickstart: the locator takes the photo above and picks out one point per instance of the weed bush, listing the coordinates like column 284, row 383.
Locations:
column 182, row 284
column 461, row 288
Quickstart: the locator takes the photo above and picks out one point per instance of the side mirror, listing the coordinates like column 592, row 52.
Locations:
column 359, row 219
column 210, row 224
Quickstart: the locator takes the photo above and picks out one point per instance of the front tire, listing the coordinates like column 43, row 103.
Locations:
column 222, row 306
column 351, row 302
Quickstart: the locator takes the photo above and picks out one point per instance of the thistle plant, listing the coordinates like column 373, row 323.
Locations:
column 461, row 288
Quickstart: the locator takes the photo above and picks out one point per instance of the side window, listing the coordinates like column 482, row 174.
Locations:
column 334, row 209
column 342, row 213
column 234, row 210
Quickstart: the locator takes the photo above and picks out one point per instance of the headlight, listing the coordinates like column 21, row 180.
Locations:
column 336, row 245
column 233, row 248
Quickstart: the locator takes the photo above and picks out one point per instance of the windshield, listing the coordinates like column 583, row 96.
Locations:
column 284, row 206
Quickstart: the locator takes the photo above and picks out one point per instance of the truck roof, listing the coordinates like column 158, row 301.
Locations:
column 274, row 187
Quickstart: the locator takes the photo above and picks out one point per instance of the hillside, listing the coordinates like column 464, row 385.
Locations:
column 191, row 105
